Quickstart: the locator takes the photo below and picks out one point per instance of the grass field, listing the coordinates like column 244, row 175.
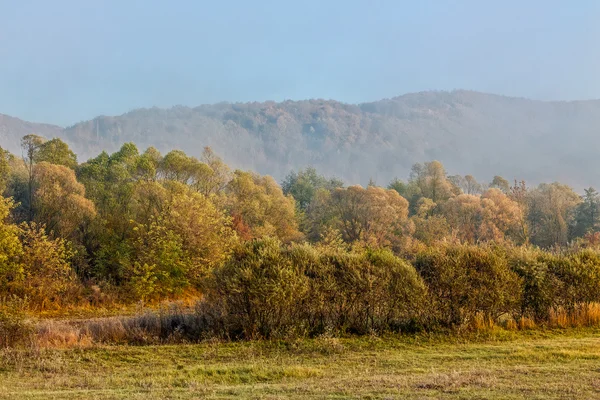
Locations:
column 526, row 365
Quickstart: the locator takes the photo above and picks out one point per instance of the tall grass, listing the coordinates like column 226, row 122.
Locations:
column 176, row 325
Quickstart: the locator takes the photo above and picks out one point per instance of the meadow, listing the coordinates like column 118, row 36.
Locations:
column 499, row 364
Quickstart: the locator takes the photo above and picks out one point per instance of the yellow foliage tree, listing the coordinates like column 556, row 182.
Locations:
column 375, row 215
column 59, row 200
column 492, row 216
column 259, row 203
column 49, row 278
column 11, row 271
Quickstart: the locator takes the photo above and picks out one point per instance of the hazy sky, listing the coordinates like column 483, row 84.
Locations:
column 63, row 61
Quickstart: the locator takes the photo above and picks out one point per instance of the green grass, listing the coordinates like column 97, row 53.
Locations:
column 529, row 365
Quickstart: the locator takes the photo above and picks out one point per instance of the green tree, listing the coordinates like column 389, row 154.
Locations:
column 550, row 213
column 501, row 184
column 30, row 145
column 148, row 164
column 57, row 152
column 399, row 186
column 4, row 169
column 587, row 214
column 260, row 290
column 466, row 280
column 304, row 184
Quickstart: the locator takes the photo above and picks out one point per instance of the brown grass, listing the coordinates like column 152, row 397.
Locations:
column 180, row 324
column 583, row 315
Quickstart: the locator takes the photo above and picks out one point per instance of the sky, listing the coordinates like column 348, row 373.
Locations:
column 63, row 61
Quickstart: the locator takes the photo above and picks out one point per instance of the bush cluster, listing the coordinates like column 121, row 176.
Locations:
column 268, row 289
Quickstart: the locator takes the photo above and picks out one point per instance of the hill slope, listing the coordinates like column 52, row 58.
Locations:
column 469, row 132
column 13, row 129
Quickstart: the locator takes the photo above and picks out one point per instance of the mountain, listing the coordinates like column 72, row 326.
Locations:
column 13, row 129
column 470, row 132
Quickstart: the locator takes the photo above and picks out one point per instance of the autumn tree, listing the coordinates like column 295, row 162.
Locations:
column 490, row 217
column 11, row 271
column 374, row 215
column 471, row 185
column 216, row 177
column 59, row 200
column 432, row 181
column 458, row 181
column 503, row 218
column 259, row 203
column 49, row 279
column 429, row 225
column 550, row 212
column 464, row 215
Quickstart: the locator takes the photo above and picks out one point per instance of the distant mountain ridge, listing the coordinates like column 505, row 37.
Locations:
column 470, row 132
column 13, row 129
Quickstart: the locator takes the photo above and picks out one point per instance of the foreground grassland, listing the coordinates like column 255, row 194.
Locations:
column 534, row 365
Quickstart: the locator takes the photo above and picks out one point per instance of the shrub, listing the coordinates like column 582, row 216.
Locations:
column 556, row 283
column 49, row 280
column 539, row 284
column 269, row 290
column 359, row 292
column 400, row 290
column 579, row 277
column 260, row 290
column 14, row 327
column 467, row 280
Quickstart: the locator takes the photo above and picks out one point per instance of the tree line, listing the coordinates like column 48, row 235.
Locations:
column 434, row 249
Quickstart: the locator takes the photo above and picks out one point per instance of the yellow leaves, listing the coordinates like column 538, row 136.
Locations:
column 46, row 266
column 261, row 205
column 59, row 200
column 10, row 246
column 491, row 216
column 375, row 215
column 205, row 230
column 178, row 236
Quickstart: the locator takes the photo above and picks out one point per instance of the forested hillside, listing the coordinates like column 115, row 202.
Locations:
column 469, row 132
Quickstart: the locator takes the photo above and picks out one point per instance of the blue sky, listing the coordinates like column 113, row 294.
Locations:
column 63, row 61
